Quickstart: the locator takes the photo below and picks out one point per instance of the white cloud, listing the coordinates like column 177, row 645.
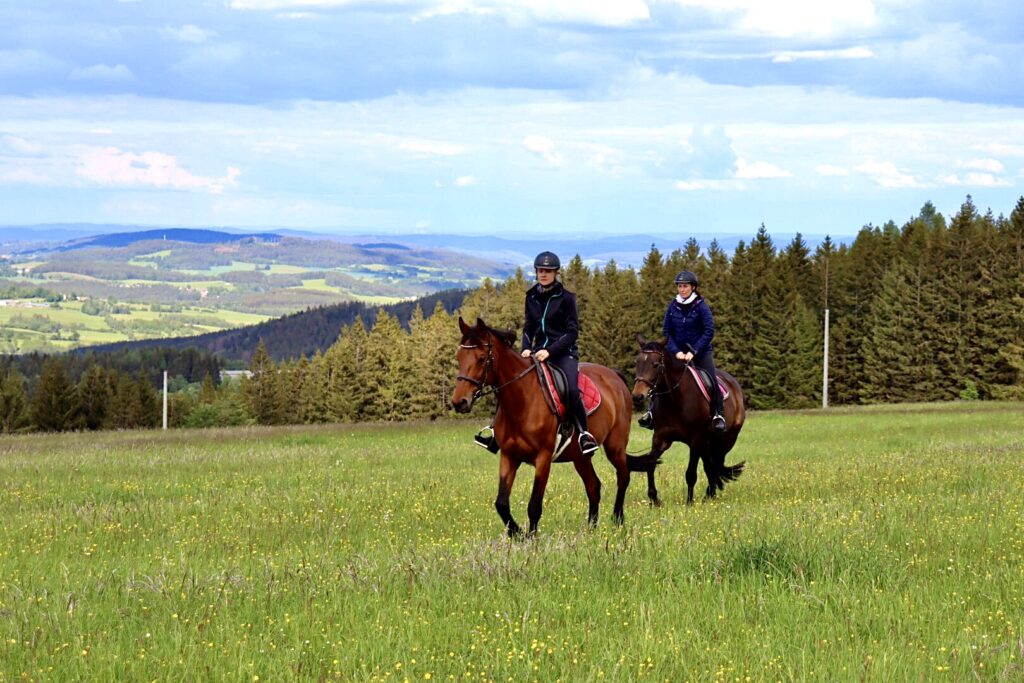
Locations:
column 102, row 72
column 821, row 55
column 465, row 181
column 431, row 148
column 694, row 185
column 599, row 13
column 791, row 18
column 112, row 166
column 189, row 33
column 759, row 169
column 976, row 180
column 886, row 174
column 543, row 147
column 830, row 170
column 987, row 165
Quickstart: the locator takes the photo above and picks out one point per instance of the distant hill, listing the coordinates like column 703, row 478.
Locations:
column 298, row 334
column 187, row 235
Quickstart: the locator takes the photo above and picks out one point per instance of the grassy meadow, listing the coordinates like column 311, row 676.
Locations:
column 879, row 544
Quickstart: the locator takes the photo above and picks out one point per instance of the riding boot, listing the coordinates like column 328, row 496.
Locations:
column 647, row 419
column 717, row 410
column 588, row 444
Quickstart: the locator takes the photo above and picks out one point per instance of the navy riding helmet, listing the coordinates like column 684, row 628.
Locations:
column 686, row 276
column 548, row 260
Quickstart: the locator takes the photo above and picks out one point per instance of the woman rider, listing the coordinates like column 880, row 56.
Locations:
column 689, row 328
column 550, row 333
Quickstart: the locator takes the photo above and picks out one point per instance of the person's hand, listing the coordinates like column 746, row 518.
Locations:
column 542, row 355
column 685, row 357
column 526, row 353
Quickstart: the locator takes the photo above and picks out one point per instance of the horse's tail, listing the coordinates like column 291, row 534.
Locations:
column 730, row 473
column 643, row 463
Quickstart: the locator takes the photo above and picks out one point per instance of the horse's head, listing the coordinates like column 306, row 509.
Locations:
column 476, row 357
column 650, row 368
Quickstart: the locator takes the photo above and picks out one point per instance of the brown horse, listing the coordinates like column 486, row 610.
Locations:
column 525, row 426
column 681, row 413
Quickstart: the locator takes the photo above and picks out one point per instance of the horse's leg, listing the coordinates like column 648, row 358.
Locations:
column 710, row 457
column 585, row 468
column 659, row 444
column 507, row 469
column 535, row 507
column 691, row 474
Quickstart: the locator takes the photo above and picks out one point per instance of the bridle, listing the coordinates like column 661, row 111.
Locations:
column 484, row 387
column 662, row 374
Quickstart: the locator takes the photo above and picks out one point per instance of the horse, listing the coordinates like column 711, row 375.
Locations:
column 681, row 413
column 525, row 425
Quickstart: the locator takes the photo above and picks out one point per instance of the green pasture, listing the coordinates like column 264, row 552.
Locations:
column 878, row 544
column 142, row 322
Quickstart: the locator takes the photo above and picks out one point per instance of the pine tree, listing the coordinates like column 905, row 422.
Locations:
column 262, row 389
column 51, row 405
column 208, row 390
column 92, row 399
column 14, row 414
column 388, row 367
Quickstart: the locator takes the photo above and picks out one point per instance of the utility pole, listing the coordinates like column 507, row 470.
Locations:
column 165, row 399
column 824, row 365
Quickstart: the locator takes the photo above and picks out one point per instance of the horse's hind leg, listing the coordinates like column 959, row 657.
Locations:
column 710, row 457
column 585, row 468
column 540, row 484
column 658, row 446
column 506, row 477
column 691, row 475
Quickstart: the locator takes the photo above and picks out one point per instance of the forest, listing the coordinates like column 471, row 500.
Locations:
column 931, row 310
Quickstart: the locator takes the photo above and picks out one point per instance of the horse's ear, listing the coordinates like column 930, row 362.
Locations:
column 463, row 326
column 481, row 326
column 641, row 340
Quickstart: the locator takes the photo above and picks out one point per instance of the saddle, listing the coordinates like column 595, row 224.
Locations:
column 555, row 386
column 704, row 382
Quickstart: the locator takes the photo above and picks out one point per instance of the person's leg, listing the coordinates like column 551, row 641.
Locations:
column 706, row 362
column 570, row 366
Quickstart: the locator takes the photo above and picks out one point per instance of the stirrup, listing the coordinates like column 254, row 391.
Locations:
column 647, row 420
column 563, row 437
column 485, row 439
column 718, row 423
column 591, row 443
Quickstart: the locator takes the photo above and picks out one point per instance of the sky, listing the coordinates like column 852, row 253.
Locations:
column 567, row 117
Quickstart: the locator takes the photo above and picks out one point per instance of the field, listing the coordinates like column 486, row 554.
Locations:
column 879, row 543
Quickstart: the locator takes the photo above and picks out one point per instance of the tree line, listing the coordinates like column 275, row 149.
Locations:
column 932, row 310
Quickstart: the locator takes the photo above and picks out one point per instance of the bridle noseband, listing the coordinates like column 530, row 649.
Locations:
column 662, row 375
column 488, row 367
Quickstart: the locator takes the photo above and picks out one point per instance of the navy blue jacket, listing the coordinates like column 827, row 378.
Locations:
column 552, row 321
column 690, row 324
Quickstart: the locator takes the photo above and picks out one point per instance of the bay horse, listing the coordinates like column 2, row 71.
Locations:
column 525, row 425
column 682, row 413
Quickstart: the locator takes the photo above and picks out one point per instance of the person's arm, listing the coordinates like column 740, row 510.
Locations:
column 666, row 329
column 529, row 326
column 572, row 326
column 708, row 322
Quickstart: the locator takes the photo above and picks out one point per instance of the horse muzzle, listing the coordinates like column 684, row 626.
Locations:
column 463, row 404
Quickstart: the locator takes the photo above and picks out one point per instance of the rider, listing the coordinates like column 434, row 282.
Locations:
column 550, row 332
column 689, row 328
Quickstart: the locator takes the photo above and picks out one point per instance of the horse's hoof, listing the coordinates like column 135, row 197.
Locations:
column 656, row 502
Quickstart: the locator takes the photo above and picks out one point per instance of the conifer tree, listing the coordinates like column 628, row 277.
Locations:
column 262, row 389
column 92, row 398
column 208, row 390
column 388, row 367
column 14, row 415
column 50, row 409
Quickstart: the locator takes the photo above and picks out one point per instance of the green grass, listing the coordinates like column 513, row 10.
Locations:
column 860, row 544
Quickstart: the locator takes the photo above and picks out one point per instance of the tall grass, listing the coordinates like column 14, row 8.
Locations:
column 874, row 544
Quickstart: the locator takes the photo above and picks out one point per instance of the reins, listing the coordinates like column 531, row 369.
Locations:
column 663, row 374
column 480, row 384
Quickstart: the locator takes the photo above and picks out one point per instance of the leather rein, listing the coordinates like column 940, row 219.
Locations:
column 483, row 387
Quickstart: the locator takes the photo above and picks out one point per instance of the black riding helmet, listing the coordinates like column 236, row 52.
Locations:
column 547, row 259
column 686, row 276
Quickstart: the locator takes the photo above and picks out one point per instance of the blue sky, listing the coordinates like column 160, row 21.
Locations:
column 500, row 117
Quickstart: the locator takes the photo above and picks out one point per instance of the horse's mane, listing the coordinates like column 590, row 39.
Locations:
column 506, row 336
column 653, row 345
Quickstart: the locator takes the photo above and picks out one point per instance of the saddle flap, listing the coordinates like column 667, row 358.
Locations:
column 554, row 385
column 704, row 382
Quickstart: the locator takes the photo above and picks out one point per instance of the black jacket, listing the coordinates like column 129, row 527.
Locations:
column 552, row 321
